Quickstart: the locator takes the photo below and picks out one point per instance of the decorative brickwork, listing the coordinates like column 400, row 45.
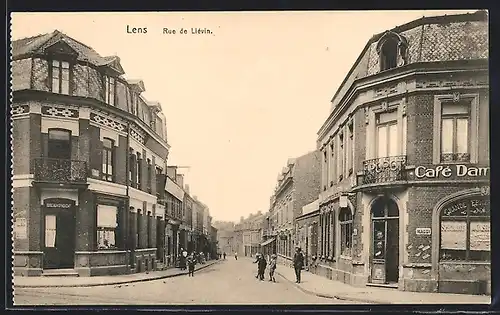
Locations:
column 62, row 112
column 108, row 122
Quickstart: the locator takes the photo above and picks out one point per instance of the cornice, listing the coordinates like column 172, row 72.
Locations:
column 36, row 95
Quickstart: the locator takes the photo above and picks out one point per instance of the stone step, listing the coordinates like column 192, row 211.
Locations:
column 383, row 285
column 60, row 273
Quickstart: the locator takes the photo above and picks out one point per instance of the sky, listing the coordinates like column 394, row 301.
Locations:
column 240, row 101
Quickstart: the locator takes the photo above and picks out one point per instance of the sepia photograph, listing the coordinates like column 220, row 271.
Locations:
column 250, row 158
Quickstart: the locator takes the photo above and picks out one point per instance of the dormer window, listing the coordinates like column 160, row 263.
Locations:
column 59, row 76
column 392, row 49
column 109, row 90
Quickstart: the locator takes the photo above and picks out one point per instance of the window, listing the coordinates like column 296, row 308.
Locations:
column 332, row 161
column 150, row 173
column 50, row 230
column 131, row 164
column 455, row 132
column 134, row 108
column 389, row 54
column 387, row 134
column 350, row 148
column 59, row 73
column 159, row 170
column 138, row 228
column 106, row 226
column 109, row 90
column 59, row 144
column 148, row 217
column 340, row 165
column 107, row 159
column 465, row 230
column 345, row 222
column 325, row 169
column 138, row 173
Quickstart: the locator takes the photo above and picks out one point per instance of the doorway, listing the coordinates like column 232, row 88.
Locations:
column 58, row 236
column 385, row 241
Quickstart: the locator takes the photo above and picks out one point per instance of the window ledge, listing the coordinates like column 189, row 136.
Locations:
column 465, row 262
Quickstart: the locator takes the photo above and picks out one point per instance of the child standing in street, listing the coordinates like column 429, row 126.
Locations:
column 191, row 261
column 272, row 267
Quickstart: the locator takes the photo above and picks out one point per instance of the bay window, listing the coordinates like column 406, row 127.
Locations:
column 59, row 73
column 107, row 224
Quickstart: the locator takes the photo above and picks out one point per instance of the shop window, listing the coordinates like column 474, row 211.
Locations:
column 345, row 222
column 455, row 132
column 465, row 230
column 59, row 73
column 108, row 146
column 387, row 134
column 109, row 90
column 106, row 226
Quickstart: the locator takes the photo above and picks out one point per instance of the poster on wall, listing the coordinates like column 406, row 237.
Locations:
column 480, row 236
column 20, row 229
column 453, row 235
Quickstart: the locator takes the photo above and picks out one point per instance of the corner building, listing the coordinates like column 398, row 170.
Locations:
column 405, row 159
column 87, row 151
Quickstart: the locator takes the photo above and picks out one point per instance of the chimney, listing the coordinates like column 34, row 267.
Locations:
column 180, row 180
column 186, row 188
column 242, row 218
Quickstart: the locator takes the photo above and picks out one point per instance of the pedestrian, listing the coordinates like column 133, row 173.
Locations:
column 224, row 255
column 236, row 256
column 191, row 261
column 257, row 260
column 262, row 267
column 272, row 267
column 184, row 258
column 298, row 263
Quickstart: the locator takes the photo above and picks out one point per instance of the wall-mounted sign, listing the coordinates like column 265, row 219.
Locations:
column 58, row 205
column 343, row 201
column 480, row 236
column 20, row 229
column 458, row 171
column 423, row 231
column 453, row 235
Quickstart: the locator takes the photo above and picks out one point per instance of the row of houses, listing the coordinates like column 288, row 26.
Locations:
column 92, row 189
column 397, row 192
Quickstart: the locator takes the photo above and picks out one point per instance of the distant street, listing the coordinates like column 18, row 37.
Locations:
column 228, row 282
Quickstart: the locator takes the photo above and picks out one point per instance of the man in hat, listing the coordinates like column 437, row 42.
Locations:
column 298, row 263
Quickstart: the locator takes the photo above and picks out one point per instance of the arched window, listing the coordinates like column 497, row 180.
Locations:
column 345, row 222
column 107, row 159
column 465, row 230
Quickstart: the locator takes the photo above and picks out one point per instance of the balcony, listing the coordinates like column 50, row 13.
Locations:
column 60, row 171
column 384, row 170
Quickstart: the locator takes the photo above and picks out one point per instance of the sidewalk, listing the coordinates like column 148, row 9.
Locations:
column 45, row 282
column 323, row 287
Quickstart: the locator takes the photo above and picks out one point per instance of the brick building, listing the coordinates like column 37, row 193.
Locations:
column 298, row 185
column 87, row 151
column 405, row 161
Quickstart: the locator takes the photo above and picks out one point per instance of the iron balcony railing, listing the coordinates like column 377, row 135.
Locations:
column 384, row 170
column 60, row 170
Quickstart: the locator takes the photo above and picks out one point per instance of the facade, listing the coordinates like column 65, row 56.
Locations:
column 214, row 246
column 188, row 208
column 306, row 230
column 225, row 237
column 298, row 185
column 405, row 161
column 87, row 149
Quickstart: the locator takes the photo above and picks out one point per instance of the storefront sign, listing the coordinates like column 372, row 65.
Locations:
column 451, row 171
column 58, row 205
column 20, row 229
column 423, row 231
column 453, row 235
column 480, row 236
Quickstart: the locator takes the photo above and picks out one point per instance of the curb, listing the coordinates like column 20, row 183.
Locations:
column 113, row 283
column 334, row 297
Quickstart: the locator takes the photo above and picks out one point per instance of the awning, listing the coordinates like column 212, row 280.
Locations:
column 269, row 241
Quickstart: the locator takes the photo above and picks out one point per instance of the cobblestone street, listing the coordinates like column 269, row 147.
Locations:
column 228, row 282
